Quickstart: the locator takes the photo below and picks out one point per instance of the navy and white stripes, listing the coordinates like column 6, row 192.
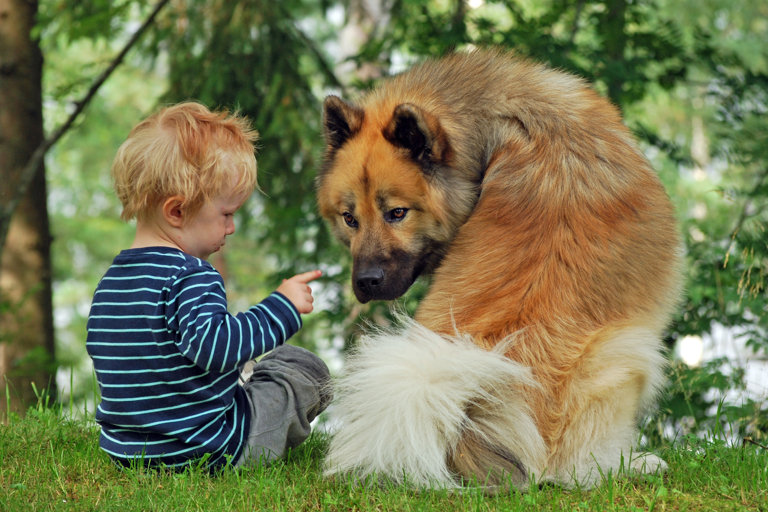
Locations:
column 167, row 356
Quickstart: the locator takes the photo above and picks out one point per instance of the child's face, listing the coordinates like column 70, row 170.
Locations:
column 205, row 232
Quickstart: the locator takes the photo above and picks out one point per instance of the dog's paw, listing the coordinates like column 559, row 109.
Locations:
column 647, row 463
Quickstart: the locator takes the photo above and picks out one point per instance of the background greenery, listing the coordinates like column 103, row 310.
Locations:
column 691, row 77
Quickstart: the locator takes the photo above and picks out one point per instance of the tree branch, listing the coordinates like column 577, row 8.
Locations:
column 325, row 67
column 35, row 162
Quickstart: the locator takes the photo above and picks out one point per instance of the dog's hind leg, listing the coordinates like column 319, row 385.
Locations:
column 476, row 459
column 616, row 383
column 498, row 450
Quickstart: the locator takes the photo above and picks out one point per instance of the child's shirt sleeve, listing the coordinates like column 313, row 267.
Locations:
column 195, row 307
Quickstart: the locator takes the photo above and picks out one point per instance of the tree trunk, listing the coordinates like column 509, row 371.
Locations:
column 615, row 37
column 26, row 312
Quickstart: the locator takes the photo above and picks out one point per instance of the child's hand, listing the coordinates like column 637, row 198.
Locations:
column 298, row 291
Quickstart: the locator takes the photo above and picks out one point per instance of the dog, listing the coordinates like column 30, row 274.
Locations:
column 555, row 267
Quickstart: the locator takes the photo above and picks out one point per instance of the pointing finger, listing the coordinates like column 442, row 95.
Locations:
column 308, row 276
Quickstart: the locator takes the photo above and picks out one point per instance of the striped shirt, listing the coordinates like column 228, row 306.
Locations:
column 167, row 356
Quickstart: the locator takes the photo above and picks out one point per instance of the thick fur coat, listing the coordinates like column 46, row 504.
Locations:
column 556, row 267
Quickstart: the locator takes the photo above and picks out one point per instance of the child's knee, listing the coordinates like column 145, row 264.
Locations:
column 302, row 359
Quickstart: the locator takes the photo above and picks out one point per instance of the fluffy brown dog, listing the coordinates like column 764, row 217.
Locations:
column 556, row 268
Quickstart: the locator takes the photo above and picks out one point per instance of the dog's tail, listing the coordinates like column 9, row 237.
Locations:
column 429, row 410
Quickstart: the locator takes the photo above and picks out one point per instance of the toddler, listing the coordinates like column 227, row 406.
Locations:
column 166, row 351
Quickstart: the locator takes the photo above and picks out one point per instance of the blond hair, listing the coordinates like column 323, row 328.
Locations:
column 184, row 150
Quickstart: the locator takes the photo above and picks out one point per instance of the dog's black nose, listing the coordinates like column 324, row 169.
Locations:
column 369, row 280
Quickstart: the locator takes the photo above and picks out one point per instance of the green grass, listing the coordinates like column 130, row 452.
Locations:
column 50, row 463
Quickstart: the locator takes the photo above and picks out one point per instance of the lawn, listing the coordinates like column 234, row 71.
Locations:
column 48, row 462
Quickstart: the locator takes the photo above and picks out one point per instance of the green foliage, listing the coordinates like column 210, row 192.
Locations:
column 725, row 212
column 87, row 19
column 695, row 403
column 621, row 46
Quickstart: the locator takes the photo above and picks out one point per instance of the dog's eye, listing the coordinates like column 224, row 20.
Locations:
column 349, row 219
column 395, row 215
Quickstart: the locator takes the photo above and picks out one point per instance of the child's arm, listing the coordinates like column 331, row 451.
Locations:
column 216, row 340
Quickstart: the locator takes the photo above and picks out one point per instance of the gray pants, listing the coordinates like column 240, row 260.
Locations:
column 289, row 387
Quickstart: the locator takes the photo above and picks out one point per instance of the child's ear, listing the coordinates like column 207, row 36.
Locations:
column 173, row 211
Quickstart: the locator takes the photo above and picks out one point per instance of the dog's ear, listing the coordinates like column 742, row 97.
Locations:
column 419, row 132
column 341, row 121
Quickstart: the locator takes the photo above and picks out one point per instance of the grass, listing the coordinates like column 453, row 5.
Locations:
column 50, row 463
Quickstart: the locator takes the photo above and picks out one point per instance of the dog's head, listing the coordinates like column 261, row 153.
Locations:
column 388, row 193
